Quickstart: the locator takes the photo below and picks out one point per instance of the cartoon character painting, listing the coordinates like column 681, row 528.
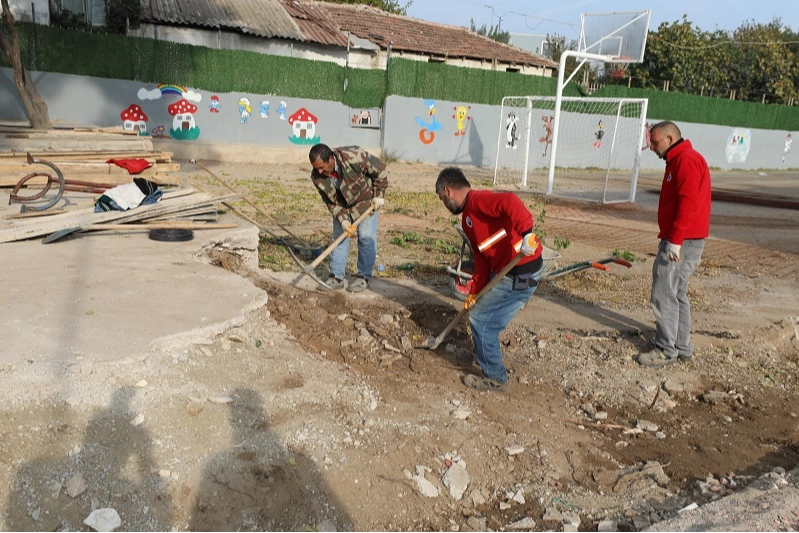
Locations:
column 738, row 143
column 244, row 109
column 214, row 107
column 647, row 130
column 600, row 132
column 264, row 105
column 281, row 110
column 547, row 138
column 787, row 149
column 462, row 118
column 427, row 133
column 511, row 131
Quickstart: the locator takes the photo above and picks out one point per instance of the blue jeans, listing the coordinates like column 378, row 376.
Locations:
column 492, row 313
column 367, row 248
column 669, row 297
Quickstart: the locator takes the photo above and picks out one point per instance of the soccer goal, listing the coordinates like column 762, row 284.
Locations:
column 598, row 146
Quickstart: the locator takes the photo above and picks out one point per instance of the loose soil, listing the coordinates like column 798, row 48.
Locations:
column 325, row 410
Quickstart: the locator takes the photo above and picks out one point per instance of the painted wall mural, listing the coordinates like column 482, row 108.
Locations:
column 244, row 109
column 281, row 110
column 549, row 122
column 303, row 125
column 428, row 132
column 512, row 131
column 134, row 119
column 462, row 118
column 214, row 107
column 184, row 127
column 787, row 149
column 264, row 106
column 598, row 134
column 738, row 142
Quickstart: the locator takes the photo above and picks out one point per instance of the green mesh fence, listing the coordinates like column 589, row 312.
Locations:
column 704, row 110
column 417, row 79
column 50, row 49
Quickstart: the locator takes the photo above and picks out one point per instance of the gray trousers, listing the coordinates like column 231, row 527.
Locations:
column 669, row 297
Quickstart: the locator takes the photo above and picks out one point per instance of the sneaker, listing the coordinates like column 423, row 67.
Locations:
column 333, row 283
column 483, row 384
column 655, row 359
column 359, row 284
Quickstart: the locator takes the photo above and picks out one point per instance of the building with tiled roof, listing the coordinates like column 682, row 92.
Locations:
column 421, row 40
column 354, row 35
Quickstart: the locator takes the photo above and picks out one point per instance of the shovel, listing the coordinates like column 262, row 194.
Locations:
column 601, row 265
column 251, row 204
column 433, row 342
column 282, row 241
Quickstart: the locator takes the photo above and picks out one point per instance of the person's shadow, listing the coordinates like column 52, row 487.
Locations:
column 112, row 468
column 260, row 484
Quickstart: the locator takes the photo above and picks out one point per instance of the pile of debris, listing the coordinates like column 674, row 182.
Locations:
column 42, row 166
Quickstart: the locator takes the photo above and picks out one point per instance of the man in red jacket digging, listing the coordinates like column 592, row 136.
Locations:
column 684, row 222
column 499, row 226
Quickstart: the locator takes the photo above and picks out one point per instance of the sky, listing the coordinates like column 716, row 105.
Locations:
column 562, row 17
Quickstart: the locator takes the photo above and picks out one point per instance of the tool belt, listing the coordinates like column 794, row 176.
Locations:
column 522, row 275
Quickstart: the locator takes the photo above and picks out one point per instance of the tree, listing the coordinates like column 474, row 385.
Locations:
column 32, row 102
column 765, row 65
column 754, row 62
column 389, row 6
column 556, row 45
column 121, row 13
column 493, row 33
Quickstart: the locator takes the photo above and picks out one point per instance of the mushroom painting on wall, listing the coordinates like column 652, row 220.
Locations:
column 134, row 119
column 183, row 126
column 303, row 124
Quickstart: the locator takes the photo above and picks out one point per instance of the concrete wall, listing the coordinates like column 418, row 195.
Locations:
column 404, row 129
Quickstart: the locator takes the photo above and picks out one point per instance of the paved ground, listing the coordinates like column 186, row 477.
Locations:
column 112, row 296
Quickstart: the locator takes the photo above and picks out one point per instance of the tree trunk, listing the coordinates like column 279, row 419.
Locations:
column 32, row 102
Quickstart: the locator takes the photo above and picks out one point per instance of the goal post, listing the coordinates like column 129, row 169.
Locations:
column 590, row 148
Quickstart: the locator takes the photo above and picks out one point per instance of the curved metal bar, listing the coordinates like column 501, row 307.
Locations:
column 14, row 197
column 60, row 192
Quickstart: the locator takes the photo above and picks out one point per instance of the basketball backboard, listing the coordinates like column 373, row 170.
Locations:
column 622, row 36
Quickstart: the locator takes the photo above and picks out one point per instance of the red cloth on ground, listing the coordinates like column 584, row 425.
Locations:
column 133, row 166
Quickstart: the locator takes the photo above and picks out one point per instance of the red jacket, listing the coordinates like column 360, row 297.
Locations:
column 684, row 205
column 494, row 223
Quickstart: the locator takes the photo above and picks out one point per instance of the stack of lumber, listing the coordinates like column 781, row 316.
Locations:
column 81, row 155
column 178, row 205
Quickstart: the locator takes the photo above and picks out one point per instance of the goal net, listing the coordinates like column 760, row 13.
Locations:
column 598, row 147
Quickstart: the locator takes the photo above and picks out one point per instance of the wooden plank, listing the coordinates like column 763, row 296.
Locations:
column 87, row 217
column 89, row 155
column 51, row 144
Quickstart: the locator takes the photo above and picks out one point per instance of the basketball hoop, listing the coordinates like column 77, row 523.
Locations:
column 618, row 67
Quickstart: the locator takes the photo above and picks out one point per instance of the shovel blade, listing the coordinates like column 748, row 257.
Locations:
column 59, row 235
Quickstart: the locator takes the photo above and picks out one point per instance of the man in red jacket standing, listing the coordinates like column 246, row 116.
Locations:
column 498, row 226
column 684, row 222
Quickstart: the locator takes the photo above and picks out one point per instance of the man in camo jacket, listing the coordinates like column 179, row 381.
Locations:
column 349, row 180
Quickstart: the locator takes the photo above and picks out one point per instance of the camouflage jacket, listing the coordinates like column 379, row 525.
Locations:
column 362, row 177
